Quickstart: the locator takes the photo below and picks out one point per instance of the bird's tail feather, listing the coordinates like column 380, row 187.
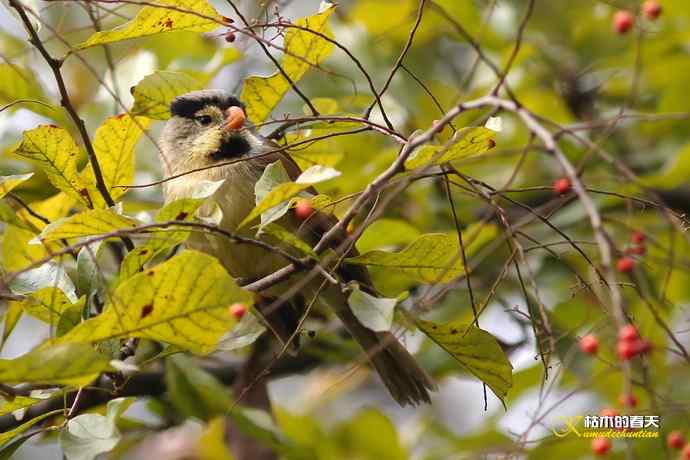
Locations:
column 406, row 381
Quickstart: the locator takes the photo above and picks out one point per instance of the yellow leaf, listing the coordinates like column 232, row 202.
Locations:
column 166, row 16
column 17, row 253
column 303, row 50
column 433, row 257
column 7, row 183
column 56, row 152
column 114, row 144
column 18, row 402
column 87, row 223
column 477, row 350
column 8, row 435
column 49, row 304
column 467, row 142
column 75, row 364
column 211, row 445
column 182, row 210
column 183, row 301
column 52, row 208
column 153, row 94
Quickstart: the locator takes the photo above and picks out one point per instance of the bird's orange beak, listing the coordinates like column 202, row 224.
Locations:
column 234, row 118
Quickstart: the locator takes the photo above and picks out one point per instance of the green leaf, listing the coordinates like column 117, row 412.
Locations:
column 244, row 334
column 183, row 301
column 477, row 350
column 66, row 364
column 302, row 50
column 386, row 232
column 193, row 391
column 89, row 435
column 48, row 275
column 165, row 16
column 87, row 223
column 114, row 144
column 433, row 257
column 8, row 435
column 370, row 434
column 466, row 142
column 376, row 313
column 88, row 275
column 274, row 204
column 56, row 153
column 7, row 183
column 17, row 403
column 286, row 236
column 17, row 83
column 153, row 94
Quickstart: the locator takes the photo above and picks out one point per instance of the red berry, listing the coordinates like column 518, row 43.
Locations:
column 304, row 209
column 675, row 440
column 608, row 412
column 230, row 37
column 601, row 446
column 686, row 452
column 628, row 400
column 625, row 264
column 626, row 350
column 643, row 346
column 589, row 344
column 238, row 310
column 562, row 186
column 623, row 21
column 651, row 9
column 638, row 237
column 628, row 333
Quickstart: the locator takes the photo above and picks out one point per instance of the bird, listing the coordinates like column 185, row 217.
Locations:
column 209, row 127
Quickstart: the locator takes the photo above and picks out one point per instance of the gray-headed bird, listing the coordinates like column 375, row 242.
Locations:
column 207, row 128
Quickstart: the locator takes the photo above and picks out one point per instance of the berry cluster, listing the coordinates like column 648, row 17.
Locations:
column 630, row 344
column 626, row 264
column 624, row 20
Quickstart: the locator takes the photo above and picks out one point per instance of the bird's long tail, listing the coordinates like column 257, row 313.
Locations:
column 406, row 381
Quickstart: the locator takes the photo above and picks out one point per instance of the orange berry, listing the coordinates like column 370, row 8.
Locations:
column 628, row 400
column 623, row 21
column 625, row 264
column 304, row 209
column 238, row 310
column 601, row 446
column 675, row 440
column 562, row 186
column 589, row 344
column 651, row 9
column 628, row 333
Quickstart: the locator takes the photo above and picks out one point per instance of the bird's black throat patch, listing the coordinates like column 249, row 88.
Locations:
column 232, row 147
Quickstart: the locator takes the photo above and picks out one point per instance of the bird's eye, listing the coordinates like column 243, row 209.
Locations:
column 203, row 120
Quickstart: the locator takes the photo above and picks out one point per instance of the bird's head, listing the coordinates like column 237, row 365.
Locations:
column 206, row 127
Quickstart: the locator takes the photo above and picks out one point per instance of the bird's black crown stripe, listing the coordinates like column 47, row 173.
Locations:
column 188, row 104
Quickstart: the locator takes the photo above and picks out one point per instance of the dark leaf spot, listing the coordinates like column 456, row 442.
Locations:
column 182, row 216
column 453, row 331
column 492, row 143
column 168, row 23
column 146, row 310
